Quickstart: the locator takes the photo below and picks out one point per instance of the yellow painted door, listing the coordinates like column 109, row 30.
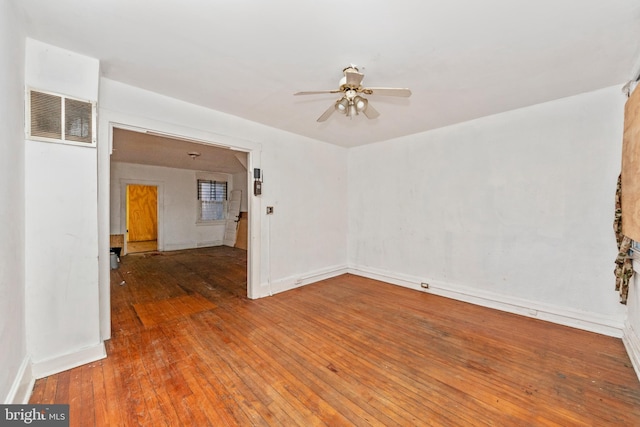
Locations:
column 142, row 213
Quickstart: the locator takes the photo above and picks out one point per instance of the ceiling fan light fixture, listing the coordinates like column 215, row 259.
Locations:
column 342, row 105
column 360, row 103
column 352, row 111
column 352, row 102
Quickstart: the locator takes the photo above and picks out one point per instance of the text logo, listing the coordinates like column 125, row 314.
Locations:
column 34, row 415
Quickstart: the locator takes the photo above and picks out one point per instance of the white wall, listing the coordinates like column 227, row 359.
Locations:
column 305, row 180
column 61, row 225
column 306, row 183
column 14, row 362
column 512, row 211
column 177, row 213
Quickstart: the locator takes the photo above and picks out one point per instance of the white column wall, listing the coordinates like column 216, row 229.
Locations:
column 512, row 211
column 15, row 373
column 61, row 225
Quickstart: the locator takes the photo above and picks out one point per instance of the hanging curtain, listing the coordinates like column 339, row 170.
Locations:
column 624, row 267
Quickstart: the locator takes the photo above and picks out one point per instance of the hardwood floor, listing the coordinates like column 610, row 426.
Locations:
column 189, row 348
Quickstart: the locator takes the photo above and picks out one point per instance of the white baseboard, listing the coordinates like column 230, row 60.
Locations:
column 560, row 315
column 292, row 282
column 209, row 243
column 631, row 341
column 22, row 387
column 180, row 246
column 68, row 361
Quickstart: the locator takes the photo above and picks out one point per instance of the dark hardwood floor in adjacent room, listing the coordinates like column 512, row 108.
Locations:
column 189, row 349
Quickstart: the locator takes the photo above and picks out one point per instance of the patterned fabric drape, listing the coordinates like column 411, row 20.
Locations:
column 624, row 267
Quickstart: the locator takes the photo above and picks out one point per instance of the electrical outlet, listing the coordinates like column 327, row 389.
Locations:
column 424, row 285
column 269, row 210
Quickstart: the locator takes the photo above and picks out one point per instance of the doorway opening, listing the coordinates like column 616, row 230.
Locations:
column 165, row 197
column 112, row 221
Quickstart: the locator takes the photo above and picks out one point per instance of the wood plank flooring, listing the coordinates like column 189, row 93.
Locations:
column 347, row 351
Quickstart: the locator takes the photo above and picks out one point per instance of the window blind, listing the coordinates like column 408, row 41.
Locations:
column 212, row 191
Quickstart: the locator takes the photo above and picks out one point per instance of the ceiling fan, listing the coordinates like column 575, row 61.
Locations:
column 352, row 102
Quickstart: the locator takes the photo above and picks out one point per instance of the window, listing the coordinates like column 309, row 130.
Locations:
column 212, row 198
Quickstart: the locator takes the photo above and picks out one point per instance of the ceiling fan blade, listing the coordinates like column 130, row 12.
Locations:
column 370, row 112
column 327, row 113
column 316, row 92
column 387, row 91
column 354, row 78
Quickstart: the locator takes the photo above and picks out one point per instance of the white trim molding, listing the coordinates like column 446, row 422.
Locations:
column 22, row 386
column 293, row 282
column 65, row 362
column 559, row 315
column 631, row 341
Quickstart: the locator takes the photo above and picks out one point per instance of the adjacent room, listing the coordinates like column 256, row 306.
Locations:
column 168, row 194
column 418, row 213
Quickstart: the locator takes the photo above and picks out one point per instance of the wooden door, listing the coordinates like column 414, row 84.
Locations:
column 233, row 216
column 142, row 217
column 242, row 238
column 630, row 198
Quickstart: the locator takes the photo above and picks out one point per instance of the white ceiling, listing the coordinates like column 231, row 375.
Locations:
column 462, row 59
column 150, row 149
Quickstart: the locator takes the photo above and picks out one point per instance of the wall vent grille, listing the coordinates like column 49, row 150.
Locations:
column 57, row 118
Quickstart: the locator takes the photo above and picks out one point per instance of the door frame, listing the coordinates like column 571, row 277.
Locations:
column 159, row 208
column 108, row 119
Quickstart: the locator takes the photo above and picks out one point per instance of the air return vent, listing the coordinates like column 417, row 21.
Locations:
column 59, row 118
